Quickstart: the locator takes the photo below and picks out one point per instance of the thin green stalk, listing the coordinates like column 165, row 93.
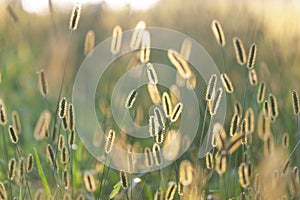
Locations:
column 41, row 172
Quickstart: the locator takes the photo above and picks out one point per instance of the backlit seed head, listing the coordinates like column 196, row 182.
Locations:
column 234, row 124
column 167, row 104
column 123, row 179
column 145, row 47
column 252, row 56
column 295, row 98
column 216, row 101
column 252, row 76
column 273, row 107
column 180, row 63
column 234, row 143
column 43, row 85
column 29, row 163
column 261, row 92
column 176, row 112
column 131, row 99
column 63, row 105
column 116, row 40
column 171, row 191
column 13, row 134
column 239, row 51
column 227, row 84
column 263, row 126
column 249, row 115
column 74, row 19
column 157, row 154
column 137, row 35
column 148, row 157
column 3, row 193
column 11, row 169
column 209, row 161
column 16, row 121
column 285, row 140
column 3, row 116
column 89, row 182
column 221, row 162
column 218, row 33
column 210, row 90
column 61, row 142
column 66, row 179
column 110, row 140
column 186, row 172
column 89, row 43
column 151, row 74
column 244, row 177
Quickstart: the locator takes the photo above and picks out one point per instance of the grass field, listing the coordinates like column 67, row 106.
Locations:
column 255, row 153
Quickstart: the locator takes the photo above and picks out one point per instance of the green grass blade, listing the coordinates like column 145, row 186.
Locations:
column 41, row 172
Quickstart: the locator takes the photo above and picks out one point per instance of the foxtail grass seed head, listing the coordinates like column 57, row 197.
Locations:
column 160, row 118
column 72, row 138
column 65, row 123
column 160, row 137
column 12, row 165
column 167, row 104
column 22, row 168
column 295, row 173
column 13, row 134
column 51, row 156
column 176, row 112
column 285, row 141
column 252, row 76
column 123, row 179
column 63, row 105
column 110, row 141
column 179, row 63
column 238, row 109
column 3, row 193
column 145, row 47
column 267, row 109
column 157, row 154
column 39, row 194
column 243, row 175
column 80, row 197
column 71, row 117
column 116, row 40
column 61, row 142
column 3, row 116
column 137, row 35
column 249, row 115
column 273, row 107
column 261, row 92
column 67, row 197
column 154, row 93
column 66, row 179
column 29, row 163
column 210, row 90
column 89, row 43
column 216, row 101
column 239, row 51
column 221, row 163
column 43, row 83
column 252, row 56
column 16, row 121
column 186, row 172
column 74, row 19
column 131, row 99
column 171, row 191
column 186, row 48
column 227, row 84
column 158, row 194
column 191, row 82
column 257, row 182
column 180, row 189
column 209, row 160
column 151, row 74
column 64, row 156
column 244, row 127
column 218, row 33
column 153, row 126
column 234, row 124
column 234, row 143
column 89, row 182
column 295, row 102
column 148, row 157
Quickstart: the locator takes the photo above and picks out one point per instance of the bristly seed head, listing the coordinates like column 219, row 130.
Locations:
column 74, row 19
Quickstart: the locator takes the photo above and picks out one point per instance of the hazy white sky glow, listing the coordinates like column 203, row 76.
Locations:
column 40, row 5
